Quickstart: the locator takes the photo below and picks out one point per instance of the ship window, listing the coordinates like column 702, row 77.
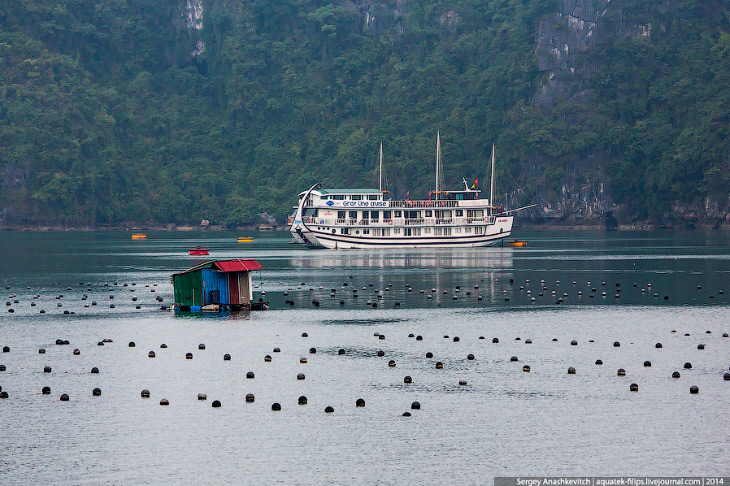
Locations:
column 366, row 231
column 386, row 214
column 340, row 214
column 458, row 231
column 353, row 214
column 396, row 231
column 438, row 231
column 338, row 197
column 372, row 198
column 459, row 212
column 356, row 197
column 386, row 232
column 427, row 231
column 375, row 215
column 468, row 230
column 345, row 231
column 396, row 214
column 429, row 213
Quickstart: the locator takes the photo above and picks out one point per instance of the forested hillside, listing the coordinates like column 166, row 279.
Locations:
column 175, row 111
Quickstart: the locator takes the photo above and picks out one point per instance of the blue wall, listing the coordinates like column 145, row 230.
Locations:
column 213, row 280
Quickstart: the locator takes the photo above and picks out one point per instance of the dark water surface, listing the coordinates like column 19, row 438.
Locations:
column 503, row 422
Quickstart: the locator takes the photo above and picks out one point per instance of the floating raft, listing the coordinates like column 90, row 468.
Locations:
column 198, row 251
column 245, row 239
column 517, row 243
column 139, row 236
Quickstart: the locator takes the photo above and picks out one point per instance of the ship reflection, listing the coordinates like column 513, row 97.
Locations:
column 471, row 259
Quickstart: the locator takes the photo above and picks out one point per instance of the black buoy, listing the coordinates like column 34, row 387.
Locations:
column 470, row 357
column 341, row 351
column 526, row 368
column 164, row 402
column 359, row 402
column 249, row 375
column 275, row 407
column 151, row 354
column 312, row 351
column 188, row 355
column 96, row 392
column 46, row 390
column 46, row 369
column 250, row 398
column 267, row 358
column 407, row 380
column 391, row 363
column 700, row 346
column 216, row 404
column 688, row 366
column 226, row 357
column 95, row 370
column 574, row 343
column 621, row 372
column 131, row 344
column 528, row 341
column 145, row 393
column 694, row 389
column 300, row 376
column 64, row 397
column 675, row 374
column 726, row 377
column 599, row 362
column 616, row 344
column 634, row 387
column 571, row 371
column 513, row 358
column 302, row 400
column 41, row 351
column 328, row 409
column 415, row 406
column 406, row 414
column 439, row 365
column 647, row 364
column 277, row 350
column 201, row 346
column 202, row 396
column 658, row 345
column 304, row 334
column 6, row 349
column 429, row 355
column 456, row 339
column 495, row 340
column 419, row 338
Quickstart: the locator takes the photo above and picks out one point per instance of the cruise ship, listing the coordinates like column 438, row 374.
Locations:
column 368, row 218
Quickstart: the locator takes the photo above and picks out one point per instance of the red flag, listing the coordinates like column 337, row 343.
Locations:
column 408, row 196
column 476, row 183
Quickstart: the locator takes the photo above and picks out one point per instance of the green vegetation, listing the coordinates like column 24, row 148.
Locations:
column 105, row 117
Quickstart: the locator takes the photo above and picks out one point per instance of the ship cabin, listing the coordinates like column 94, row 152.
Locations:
column 215, row 286
column 367, row 212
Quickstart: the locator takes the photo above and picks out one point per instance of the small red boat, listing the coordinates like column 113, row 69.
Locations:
column 198, row 250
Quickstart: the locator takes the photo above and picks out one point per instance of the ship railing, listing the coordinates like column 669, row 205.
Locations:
column 424, row 204
column 444, row 221
column 414, row 221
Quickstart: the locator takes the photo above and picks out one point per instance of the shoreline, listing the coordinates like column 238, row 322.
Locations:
column 546, row 226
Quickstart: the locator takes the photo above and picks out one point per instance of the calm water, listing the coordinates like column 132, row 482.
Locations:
column 504, row 422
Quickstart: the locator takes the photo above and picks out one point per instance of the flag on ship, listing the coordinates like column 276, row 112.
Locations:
column 476, row 183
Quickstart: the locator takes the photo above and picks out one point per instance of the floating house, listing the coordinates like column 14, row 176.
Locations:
column 216, row 285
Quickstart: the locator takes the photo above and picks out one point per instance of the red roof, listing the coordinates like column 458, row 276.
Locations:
column 238, row 265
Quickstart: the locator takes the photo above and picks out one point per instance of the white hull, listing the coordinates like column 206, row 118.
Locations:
column 494, row 233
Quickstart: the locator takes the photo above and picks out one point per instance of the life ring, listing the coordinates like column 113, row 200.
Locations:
column 390, row 221
column 443, row 203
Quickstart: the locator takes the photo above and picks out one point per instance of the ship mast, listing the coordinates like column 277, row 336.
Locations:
column 381, row 166
column 438, row 161
column 491, row 189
